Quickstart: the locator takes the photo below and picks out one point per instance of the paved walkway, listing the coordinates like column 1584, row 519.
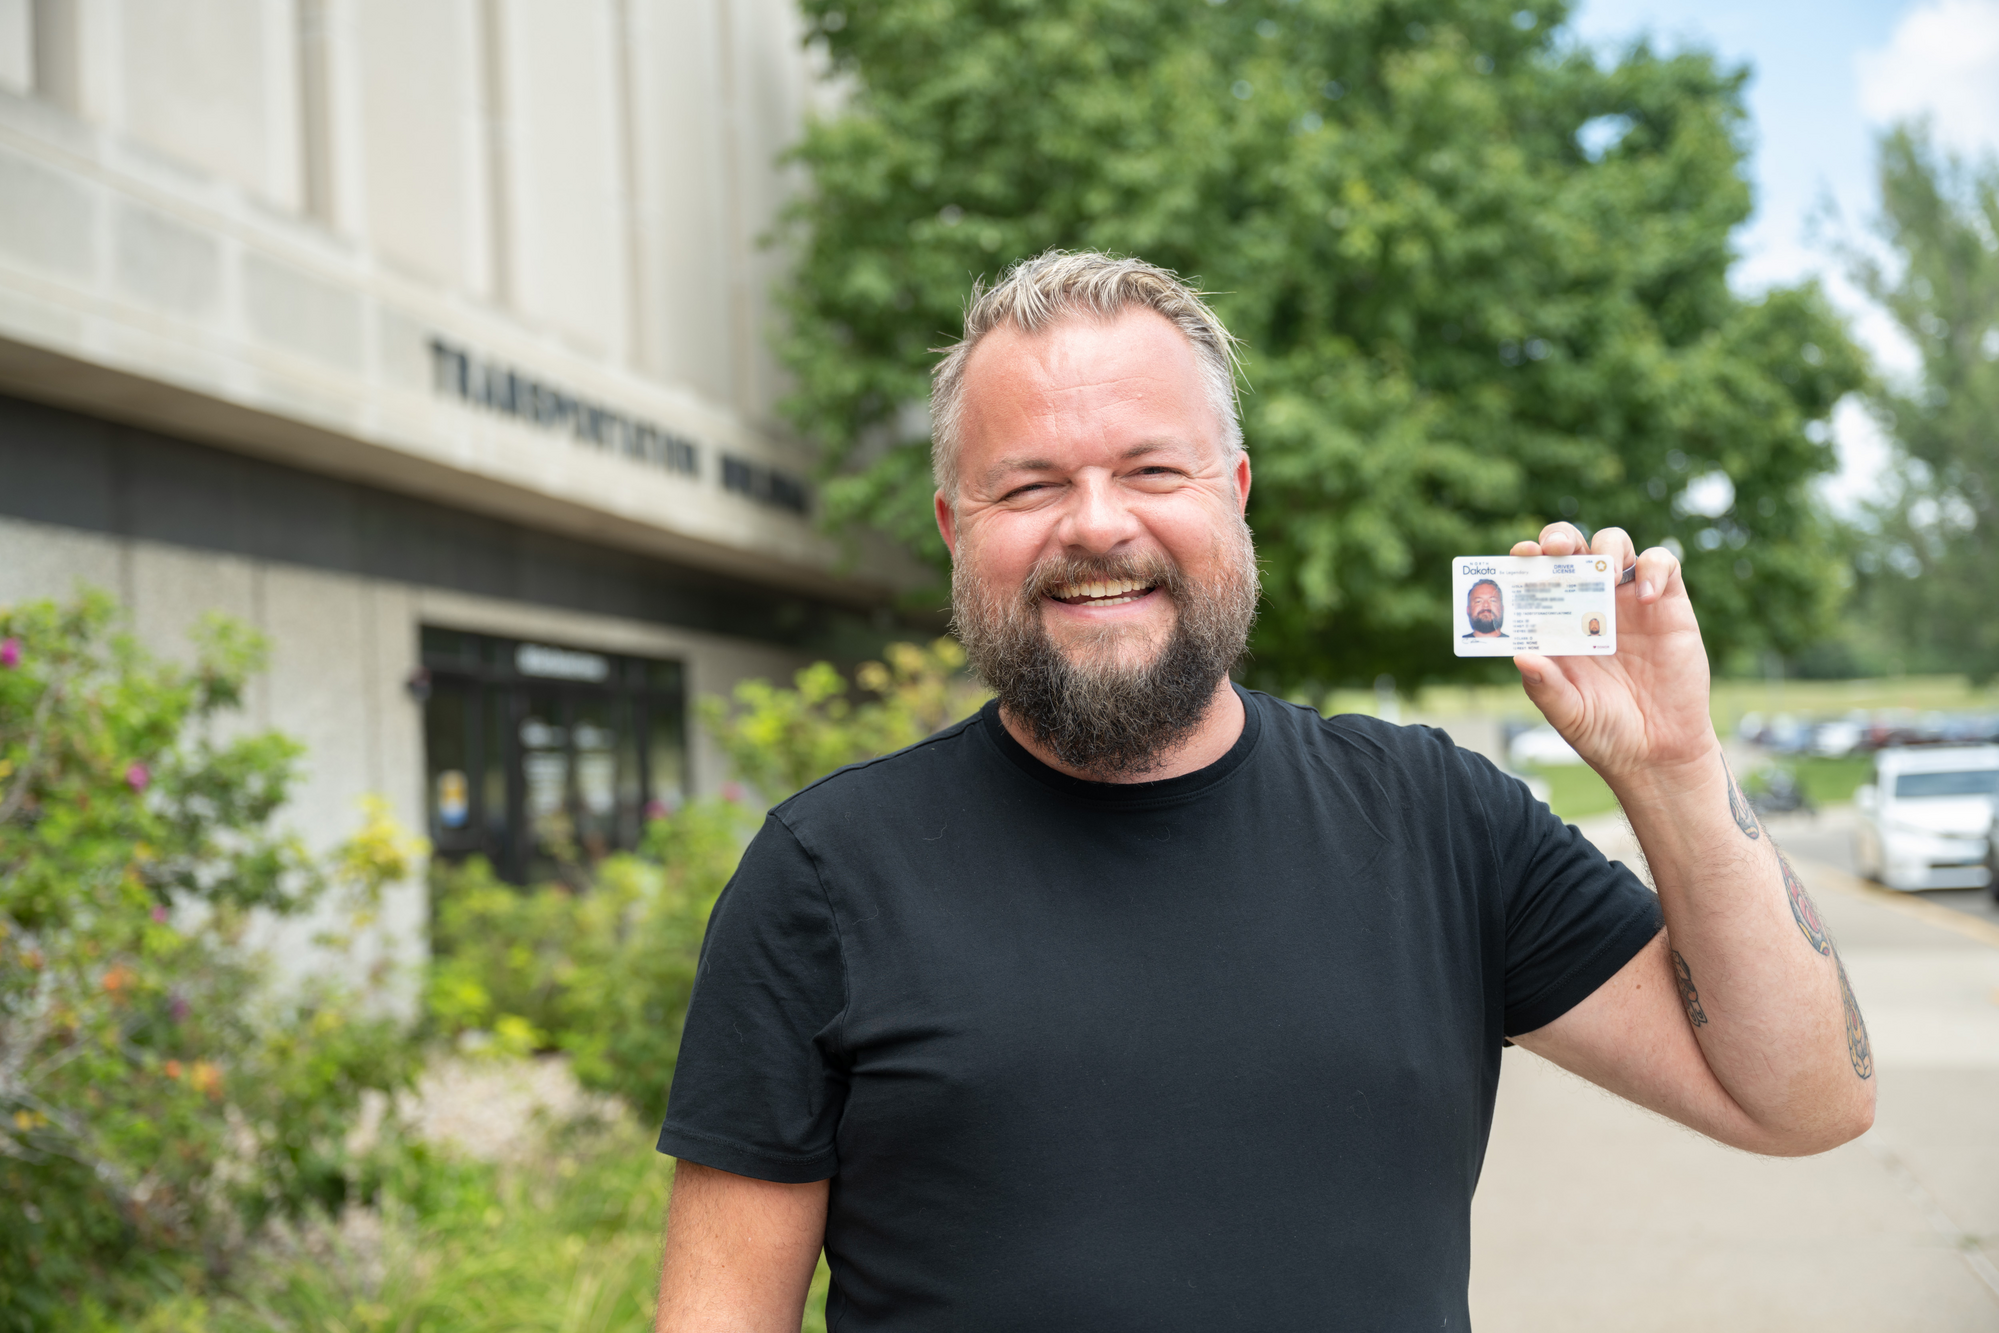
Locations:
column 1593, row 1214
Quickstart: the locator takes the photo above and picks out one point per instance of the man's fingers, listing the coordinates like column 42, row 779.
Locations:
column 1658, row 574
column 1550, row 690
column 1562, row 539
column 1615, row 543
column 1525, row 548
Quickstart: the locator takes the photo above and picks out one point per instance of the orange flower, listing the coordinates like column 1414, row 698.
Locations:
column 118, row 978
column 205, row 1078
column 171, row 1068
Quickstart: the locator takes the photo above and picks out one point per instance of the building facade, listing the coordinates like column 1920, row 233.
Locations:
column 432, row 340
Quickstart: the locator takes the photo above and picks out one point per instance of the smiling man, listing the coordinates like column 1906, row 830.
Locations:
column 1143, row 1001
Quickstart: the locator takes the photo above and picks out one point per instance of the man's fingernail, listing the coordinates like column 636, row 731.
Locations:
column 1531, row 677
column 1644, row 589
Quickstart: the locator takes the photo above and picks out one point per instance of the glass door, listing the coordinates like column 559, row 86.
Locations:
column 546, row 759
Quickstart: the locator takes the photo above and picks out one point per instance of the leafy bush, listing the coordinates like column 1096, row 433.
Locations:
column 563, row 1238
column 779, row 740
column 603, row 975
column 157, row 1100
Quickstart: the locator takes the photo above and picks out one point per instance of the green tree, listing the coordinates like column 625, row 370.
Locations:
column 1929, row 569
column 158, row 1100
column 1481, row 275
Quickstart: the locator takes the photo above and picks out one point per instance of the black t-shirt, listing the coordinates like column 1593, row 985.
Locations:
column 1216, row 1052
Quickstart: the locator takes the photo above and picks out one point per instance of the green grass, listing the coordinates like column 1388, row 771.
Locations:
column 1826, row 781
column 1575, row 791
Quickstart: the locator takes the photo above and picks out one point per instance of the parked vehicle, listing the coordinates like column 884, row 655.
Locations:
column 1540, row 746
column 1777, row 791
column 1926, row 818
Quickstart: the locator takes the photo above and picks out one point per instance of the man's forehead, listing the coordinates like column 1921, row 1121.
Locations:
column 1085, row 362
column 1123, row 383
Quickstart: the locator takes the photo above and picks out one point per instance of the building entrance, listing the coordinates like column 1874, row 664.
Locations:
column 545, row 759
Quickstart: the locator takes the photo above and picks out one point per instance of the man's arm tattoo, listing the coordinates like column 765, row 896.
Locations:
column 1689, row 997
column 1857, row 1047
column 1738, row 805
column 1803, row 910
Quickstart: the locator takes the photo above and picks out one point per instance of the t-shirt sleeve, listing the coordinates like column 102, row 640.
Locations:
column 758, row 1089
column 1573, row 918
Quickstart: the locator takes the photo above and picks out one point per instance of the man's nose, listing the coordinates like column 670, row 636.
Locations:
column 1097, row 519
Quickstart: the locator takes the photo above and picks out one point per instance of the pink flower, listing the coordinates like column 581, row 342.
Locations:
column 732, row 791
column 160, row 913
column 136, row 777
column 10, row 652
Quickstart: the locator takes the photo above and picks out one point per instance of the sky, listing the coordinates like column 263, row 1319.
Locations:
column 1827, row 77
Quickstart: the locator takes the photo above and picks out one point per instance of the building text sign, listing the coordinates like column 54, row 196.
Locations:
column 471, row 378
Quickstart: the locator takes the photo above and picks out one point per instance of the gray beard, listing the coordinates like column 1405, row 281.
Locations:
column 1096, row 715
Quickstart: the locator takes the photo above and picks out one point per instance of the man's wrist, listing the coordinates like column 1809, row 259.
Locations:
column 1655, row 784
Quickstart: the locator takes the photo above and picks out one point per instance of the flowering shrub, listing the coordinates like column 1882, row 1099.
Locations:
column 604, row 974
column 779, row 740
column 157, row 1099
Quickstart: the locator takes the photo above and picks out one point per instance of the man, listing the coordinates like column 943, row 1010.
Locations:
column 1486, row 611
column 1595, row 627
column 1141, row 1001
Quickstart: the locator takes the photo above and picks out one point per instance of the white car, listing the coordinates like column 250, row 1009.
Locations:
column 1926, row 819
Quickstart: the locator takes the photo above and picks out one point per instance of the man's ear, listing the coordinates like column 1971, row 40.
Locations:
column 1242, row 482
column 947, row 523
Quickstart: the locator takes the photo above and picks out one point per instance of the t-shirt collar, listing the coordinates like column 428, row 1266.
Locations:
column 1128, row 793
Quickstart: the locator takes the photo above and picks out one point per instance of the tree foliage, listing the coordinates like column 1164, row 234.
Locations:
column 158, row 1100
column 1482, row 278
column 1930, row 573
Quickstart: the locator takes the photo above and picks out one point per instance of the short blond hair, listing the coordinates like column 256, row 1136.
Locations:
column 1057, row 284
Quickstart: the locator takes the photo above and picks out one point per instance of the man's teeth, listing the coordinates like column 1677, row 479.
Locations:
column 1109, row 592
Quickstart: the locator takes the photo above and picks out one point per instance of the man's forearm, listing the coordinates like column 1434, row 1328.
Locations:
column 739, row 1252
column 1758, row 977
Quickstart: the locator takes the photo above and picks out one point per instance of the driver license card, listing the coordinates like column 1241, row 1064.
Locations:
column 1558, row 606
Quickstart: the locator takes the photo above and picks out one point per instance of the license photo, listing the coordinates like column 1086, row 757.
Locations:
column 1558, row 606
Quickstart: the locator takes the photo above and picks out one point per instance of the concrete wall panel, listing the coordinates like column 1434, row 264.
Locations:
column 420, row 130
column 302, row 314
column 165, row 264
column 563, row 153
column 201, row 86
column 683, row 194
column 46, row 219
column 17, row 47
column 41, row 560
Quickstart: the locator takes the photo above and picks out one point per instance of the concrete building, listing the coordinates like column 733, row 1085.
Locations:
column 432, row 340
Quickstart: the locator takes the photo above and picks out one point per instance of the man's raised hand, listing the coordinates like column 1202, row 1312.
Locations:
column 1639, row 717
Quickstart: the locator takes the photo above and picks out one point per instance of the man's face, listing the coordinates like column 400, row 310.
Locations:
column 1485, row 610
column 1099, row 518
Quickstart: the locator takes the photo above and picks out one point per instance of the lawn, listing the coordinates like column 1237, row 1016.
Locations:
column 1826, row 781
column 1575, row 791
